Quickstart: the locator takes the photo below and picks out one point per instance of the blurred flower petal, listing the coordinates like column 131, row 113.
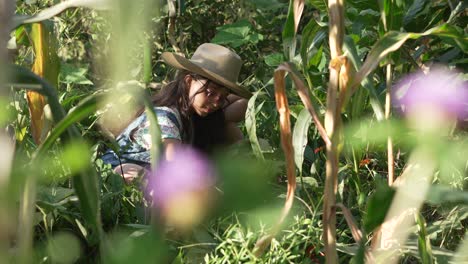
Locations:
column 182, row 188
column 441, row 91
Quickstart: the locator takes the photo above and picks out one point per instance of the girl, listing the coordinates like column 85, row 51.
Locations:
column 200, row 107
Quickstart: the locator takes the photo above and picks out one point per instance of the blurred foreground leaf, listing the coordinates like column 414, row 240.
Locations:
column 439, row 194
column 59, row 8
column 377, row 207
column 140, row 246
column 245, row 181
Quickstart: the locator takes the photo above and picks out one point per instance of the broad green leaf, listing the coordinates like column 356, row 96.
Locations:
column 59, row 8
column 251, row 125
column 414, row 10
column 237, row 34
column 53, row 195
column 274, row 59
column 309, row 182
column 289, row 33
column 377, row 207
column 461, row 7
column 300, row 134
column 74, row 74
column 288, row 30
column 321, row 5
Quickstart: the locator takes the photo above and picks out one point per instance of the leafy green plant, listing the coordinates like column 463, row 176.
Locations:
column 340, row 131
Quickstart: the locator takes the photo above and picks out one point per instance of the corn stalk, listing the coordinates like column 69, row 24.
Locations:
column 333, row 127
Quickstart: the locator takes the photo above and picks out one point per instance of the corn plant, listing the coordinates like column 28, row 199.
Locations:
column 345, row 78
column 343, row 60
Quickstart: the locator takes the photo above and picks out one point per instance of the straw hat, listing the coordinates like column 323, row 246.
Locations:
column 214, row 62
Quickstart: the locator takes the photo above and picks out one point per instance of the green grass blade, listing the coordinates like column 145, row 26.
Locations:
column 424, row 243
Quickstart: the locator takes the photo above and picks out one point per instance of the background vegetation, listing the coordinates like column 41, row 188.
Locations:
column 65, row 65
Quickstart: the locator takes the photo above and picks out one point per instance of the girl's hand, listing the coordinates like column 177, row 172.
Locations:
column 234, row 110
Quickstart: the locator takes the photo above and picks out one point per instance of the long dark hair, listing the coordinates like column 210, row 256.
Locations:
column 204, row 133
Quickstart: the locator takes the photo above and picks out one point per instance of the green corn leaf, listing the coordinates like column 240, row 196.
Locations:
column 85, row 108
column 288, row 30
column 321, row 5
column 288, row 33
column 300, row 133
column 147, row 69
column 311, row 39
column 393, row 40
column 359, row 99
column 391, row 14
column 414, row 10
column 59, row 8
column 85, row 183
column 251, row 125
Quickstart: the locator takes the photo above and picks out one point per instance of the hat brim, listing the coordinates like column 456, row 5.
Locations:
column 182, row 63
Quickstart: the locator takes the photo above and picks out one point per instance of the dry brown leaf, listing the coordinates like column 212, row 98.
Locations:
column 298, row 9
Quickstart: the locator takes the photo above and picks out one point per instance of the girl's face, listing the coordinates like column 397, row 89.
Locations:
column 207, row 96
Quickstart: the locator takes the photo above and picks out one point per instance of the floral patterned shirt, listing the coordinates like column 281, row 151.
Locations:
column 135, row 141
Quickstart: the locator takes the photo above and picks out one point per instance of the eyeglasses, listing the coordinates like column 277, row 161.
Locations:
column 214, row 91
column 212, row 94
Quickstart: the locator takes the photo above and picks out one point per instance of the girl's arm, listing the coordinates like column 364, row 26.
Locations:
column 170, row 145
column 235, row 109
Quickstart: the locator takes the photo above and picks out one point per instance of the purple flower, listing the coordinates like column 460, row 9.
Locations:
column 181, row 188
column 440, row 92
